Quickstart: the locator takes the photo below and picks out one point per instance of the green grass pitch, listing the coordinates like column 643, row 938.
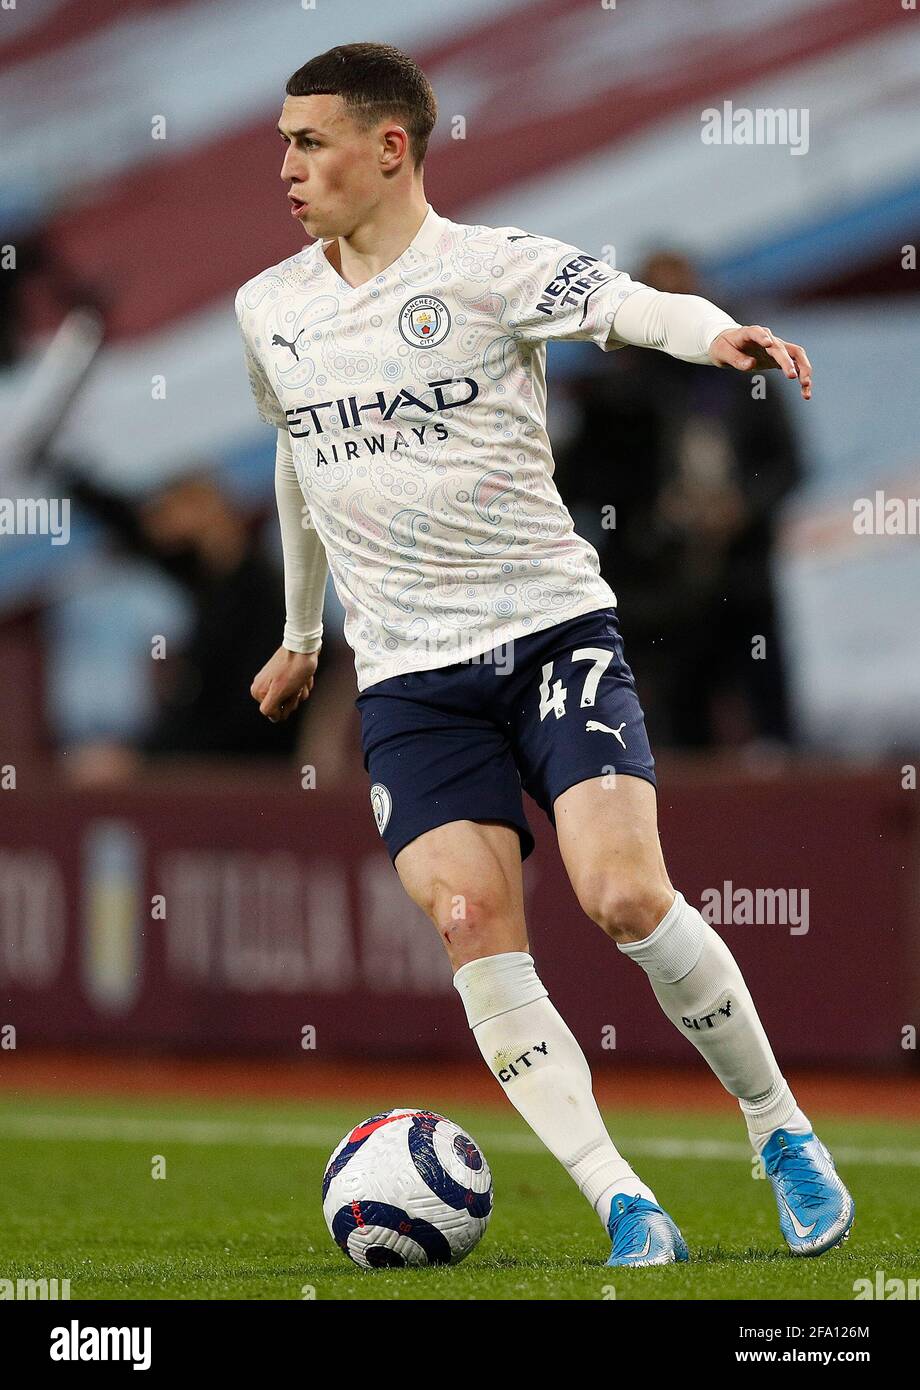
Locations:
column 238, row 1214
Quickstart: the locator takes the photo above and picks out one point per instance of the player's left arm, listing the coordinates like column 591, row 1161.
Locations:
column 695, row 330
column 754, row 348
column 548, row 290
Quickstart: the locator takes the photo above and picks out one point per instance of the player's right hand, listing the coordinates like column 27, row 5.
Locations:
column 284, row 682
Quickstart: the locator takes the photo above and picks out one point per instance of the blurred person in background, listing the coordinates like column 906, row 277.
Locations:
column 41, row 278
column 194, row 534
column 695, row 466
column 200, row 539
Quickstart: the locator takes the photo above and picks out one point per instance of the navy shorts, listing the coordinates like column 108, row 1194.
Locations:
column 540, row 714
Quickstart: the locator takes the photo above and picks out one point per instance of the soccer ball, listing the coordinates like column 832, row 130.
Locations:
column 407, row 1187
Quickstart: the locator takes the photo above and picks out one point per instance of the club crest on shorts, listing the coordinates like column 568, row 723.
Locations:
column 381, row 805
column 424, row 321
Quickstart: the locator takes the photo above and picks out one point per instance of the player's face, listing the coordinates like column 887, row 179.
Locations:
column 330, row 166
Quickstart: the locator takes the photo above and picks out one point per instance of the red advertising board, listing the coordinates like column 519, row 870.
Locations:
column 240, row 914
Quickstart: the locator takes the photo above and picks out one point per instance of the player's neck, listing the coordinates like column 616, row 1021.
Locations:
column 378, row 242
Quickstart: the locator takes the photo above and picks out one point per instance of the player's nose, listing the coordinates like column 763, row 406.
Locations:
column 289, row 170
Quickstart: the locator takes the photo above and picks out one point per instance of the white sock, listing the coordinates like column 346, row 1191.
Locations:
column 759, row 1106
column 531, row 1052
column 697, row 982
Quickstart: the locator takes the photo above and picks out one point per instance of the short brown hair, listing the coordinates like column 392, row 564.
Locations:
column 374, row 80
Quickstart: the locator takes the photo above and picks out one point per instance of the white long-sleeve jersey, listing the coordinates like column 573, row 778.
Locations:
column 412, row 449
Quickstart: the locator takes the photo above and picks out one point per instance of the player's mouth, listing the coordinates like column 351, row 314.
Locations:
column 297, row 206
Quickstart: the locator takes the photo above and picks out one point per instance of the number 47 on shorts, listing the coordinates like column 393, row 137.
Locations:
column 552, row 701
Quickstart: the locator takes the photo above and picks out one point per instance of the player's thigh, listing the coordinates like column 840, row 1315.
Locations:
column 433, row 760
column 575, row 711
column 466, row 875
column 446, row 794
column 608, row 839
column 585, row 757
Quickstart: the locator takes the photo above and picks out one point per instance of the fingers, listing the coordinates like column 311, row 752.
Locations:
column 803, row 367
column 772, row 352
column 727, row 351
column 280, row 703
column 776, row 348
column 791, row 358
column 772, row 349
column 275, row 707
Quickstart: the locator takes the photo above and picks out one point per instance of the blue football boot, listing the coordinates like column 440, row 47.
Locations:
column 642, row 1234
column 815, row 1209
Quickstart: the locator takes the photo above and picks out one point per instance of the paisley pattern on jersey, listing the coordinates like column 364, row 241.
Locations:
column 426, row 464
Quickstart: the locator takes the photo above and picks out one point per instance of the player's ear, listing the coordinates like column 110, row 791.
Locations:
column 394, row 145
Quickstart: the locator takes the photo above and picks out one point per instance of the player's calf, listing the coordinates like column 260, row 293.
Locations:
column 467, row 877
column 540, row 1066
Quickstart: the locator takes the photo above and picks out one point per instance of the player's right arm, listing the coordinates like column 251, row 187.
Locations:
column 286, row 678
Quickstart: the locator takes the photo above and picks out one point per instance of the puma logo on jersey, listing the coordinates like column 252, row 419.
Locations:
column 278, row 341
column 595, row 726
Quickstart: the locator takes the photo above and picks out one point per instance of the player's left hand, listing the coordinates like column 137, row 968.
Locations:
column 754, row 348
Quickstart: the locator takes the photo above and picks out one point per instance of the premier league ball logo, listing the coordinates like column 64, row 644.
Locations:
column 424, row 321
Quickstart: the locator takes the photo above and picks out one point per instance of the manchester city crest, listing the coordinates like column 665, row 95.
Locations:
column 424, row 321
column 382, row 805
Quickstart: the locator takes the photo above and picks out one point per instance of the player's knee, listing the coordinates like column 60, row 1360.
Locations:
column 626, row 909
column 470, row 917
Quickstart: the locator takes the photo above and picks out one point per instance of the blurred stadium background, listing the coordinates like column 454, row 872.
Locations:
column 173, row 886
